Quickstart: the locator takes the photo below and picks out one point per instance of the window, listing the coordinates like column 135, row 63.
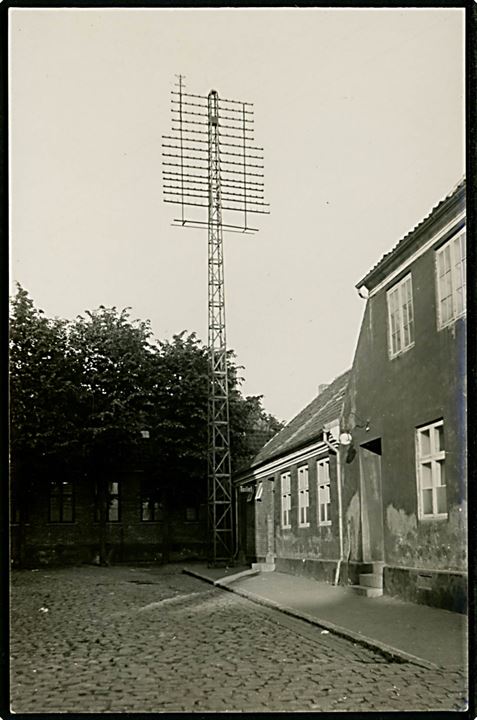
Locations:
column 259, row 491
column 303, row 496
column 400, row 317
column 112, row 502
column 323, row 482
column 286, row 500
column 192, row 514
column 432, row 497
column 61, row 501
column 450, row 271
column 150, row 502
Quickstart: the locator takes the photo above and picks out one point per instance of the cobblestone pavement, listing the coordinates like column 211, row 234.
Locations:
column 126, row 639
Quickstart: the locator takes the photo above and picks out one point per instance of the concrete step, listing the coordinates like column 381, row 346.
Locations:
column 372, row 567
column 371, row 592
column 263, row 566
column 374, row 580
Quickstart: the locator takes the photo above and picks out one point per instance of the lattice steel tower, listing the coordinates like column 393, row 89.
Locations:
column 212, row 164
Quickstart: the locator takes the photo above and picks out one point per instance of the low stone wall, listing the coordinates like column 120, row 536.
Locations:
column 323, row 570
column 437, row 588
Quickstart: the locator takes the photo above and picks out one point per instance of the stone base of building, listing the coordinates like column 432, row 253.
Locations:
column 75, row 554
column 437, row 588
column 323, row 570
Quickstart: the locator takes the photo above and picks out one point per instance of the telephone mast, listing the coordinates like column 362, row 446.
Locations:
column 209, row 161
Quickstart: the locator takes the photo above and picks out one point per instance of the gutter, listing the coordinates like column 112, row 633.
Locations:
column 340, row 503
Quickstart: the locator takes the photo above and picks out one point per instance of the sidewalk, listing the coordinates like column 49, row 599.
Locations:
column 414, row 633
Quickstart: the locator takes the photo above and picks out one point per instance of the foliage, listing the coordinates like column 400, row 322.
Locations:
column 83, row 391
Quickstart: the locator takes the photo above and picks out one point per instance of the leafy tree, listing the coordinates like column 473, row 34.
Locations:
column 83, row 392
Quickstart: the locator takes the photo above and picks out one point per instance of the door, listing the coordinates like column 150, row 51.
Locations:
column 371, row 501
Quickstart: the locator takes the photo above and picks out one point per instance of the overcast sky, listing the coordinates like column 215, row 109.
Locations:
column 360, row 113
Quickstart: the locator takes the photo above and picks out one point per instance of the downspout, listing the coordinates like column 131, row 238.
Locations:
column 340, row 503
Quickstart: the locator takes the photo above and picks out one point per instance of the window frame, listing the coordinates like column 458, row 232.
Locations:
column 462, row 233
column 303, row 489
column 397, row 289
column 325, row 463
column 434, row 458
column 109, row 496
column 61, row 495
column 149, row 495
column 285, row 497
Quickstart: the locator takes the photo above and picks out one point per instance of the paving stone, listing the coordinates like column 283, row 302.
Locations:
column 203, row 650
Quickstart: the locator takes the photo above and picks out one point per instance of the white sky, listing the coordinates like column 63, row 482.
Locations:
column 360, row 113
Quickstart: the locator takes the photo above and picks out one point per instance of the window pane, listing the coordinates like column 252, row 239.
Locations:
column 67, row 487
column 441, row 473
column 55, row 509
column 54, row 488
column 441, row 497
column 425, row 443
column 427, row 502
column 426, row 475
column 191, row 514
column 113, row 488
column 68, row 508
column 113, row 511
column 439, row 438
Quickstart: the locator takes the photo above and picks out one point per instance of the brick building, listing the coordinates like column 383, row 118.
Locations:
column 59, row 521
column 383, row 509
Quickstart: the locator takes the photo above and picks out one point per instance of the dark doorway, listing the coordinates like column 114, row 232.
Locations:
column 371, row 501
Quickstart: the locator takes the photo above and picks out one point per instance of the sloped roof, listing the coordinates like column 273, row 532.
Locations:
column 308, row 424
column 407, row 240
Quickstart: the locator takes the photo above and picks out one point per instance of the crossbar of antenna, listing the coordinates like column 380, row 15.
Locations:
column 204, row 107
column 204, row 115
column 204, row 193
column 226, row 196
column 204, row 150
column 204, row 97
column 199, row 159
column 194, row 224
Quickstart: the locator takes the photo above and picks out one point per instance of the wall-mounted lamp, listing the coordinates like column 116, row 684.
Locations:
column 346, row 437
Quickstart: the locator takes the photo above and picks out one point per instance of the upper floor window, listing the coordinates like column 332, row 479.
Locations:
column 303, row 496
column 450, row 272
column 61, row 501
column 323, row 482
column 401, row 317
column 431, row 476
column 286, row 499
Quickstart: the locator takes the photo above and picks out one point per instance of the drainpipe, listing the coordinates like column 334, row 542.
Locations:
column 340, row 504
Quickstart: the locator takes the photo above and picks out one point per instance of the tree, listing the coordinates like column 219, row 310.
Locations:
column 43, row 411
column 115, row 364
column 83, row 392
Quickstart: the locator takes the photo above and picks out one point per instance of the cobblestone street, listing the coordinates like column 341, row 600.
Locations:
column 126, row 639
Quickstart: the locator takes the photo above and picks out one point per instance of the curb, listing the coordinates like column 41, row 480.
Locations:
column 387, row 651
column 221, row 582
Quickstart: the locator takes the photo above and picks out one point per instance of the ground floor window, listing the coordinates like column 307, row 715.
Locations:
column 303, row 496
column 192, row 513
column 61, row 501
column 286, row 499
column 431, row 476
column 324, row 500
column 112, row 502
column 150, row 502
